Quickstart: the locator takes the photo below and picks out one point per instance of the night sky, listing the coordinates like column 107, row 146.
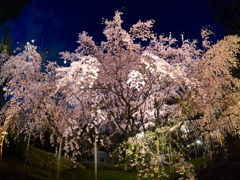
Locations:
column 57, row 23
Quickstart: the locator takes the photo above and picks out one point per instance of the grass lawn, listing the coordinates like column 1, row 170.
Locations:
column 88, row 174
column 38, row 169
column 13, row 168
column 17, row 166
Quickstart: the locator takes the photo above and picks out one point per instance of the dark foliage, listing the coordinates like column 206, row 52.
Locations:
column 225, row 163
column 227, row 14
column 11, row 9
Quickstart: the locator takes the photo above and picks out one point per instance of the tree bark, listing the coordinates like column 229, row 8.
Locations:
column 95, row 157
column 26, row 154
column 59, row 156
column 1, row 144
column 158, row 154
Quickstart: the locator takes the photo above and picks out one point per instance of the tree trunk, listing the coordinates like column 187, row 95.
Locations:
column 95, row 156
column 158, row 154
column 195, row 150
column 2, row 136
column 170, row 160
column 26, row 154
column 59, row 156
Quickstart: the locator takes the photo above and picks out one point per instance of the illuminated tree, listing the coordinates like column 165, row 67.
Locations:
column 34, row 107
column 220, row 90
column 134, row 86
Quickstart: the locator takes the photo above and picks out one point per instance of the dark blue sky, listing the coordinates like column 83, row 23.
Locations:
column 58, row 22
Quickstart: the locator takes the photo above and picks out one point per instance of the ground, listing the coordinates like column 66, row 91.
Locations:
column 225, row 165
column 8, row 170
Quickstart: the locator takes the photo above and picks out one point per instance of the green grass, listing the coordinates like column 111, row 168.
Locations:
column 42, row 159
column 42, row 165
column 72, row 174
column 88, row 174
column 200, row 162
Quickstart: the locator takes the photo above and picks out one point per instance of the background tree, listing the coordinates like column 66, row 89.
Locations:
column 6, row 42
column 11, row 9
column 227, row 14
